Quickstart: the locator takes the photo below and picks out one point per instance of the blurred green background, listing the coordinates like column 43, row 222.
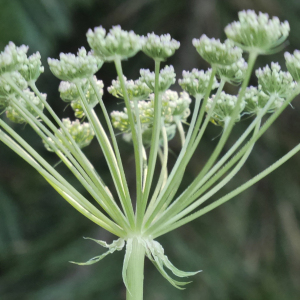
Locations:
column 248, row 248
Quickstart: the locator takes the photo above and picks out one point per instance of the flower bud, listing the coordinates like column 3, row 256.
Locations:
column 12, row 58
column 293, row 64
column 159, row 47
column 32, row 68
column 273, row 81
column 166, row 78
column 70, row 67
column 217, row 53
column 256, row 100
column 234, row 73
column 116, row 44
column 257, row 33
column 15, row 116
column 136, row 90
column 224, row 108
column 196, row 82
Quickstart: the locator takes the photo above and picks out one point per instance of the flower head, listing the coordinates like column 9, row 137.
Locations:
column 120, row 120
column 273, row 81
column 257, row 32
column 117, row 43
column 217, row 53
column 14, row 115
column 292, row 62
column 136, row 90
column 32, row 67
column 196, row 82
column 69, row 92
column 6, row 91
column 234, row 73
column 12, row 58
column 256, row 100
column 71, row 67
column 223, row 109
column 159, row 47
column 166, row 78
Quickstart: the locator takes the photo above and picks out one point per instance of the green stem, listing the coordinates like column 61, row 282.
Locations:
column 71, row 145
column 138, row 154
column 108, row 153
column 114, row 141
column 232, row 194
column 181, row 131
column 154, row 140
column 135, row 272
column 59, row 183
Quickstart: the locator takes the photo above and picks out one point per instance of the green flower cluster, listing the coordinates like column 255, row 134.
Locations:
column 82, row 133
column 174, row 108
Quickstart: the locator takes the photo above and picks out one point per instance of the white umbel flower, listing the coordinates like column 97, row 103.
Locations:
column 117, row 43
column 70, row 67
column 273, row 81
column 257, row 33
column 196, row 82
column 159, row 47
column 292, row 62
column 167, row 77
column 32, row 67
column 224, row 108
column 12, row 58
column 217, row 53
column 136, row 90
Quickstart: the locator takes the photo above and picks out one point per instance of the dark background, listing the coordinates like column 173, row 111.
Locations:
column 248, row 248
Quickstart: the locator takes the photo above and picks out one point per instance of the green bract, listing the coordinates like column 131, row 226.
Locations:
column 117, row 43
column 196, row 82
column 159, row 47
column 293, row 64
column 167, row 77
column 70, row 67
column 257, row 33
column 217, row 53
column 273, row 81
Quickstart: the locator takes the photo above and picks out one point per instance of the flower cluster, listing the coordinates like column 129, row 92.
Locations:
column 159, row 47
column 82, row 133
column 273, row 81
column 217, row 53
column 70, row 67
column 13, row 113
column 293, row 64
column 174, row 108
column 196, row 82
column 234, row 73
column 7, row 92
column 12, row 58
column 69, row 93
column 222, row 108
column 136, row 90
column 117, row 43
column 257, row 32
column 32, row 68
column 255, row 100
column 167, row 77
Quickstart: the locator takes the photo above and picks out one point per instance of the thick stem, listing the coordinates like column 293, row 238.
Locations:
column 135, row 272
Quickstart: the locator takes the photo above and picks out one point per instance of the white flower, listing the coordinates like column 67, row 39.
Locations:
column 159, row 47
column 257, row 33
